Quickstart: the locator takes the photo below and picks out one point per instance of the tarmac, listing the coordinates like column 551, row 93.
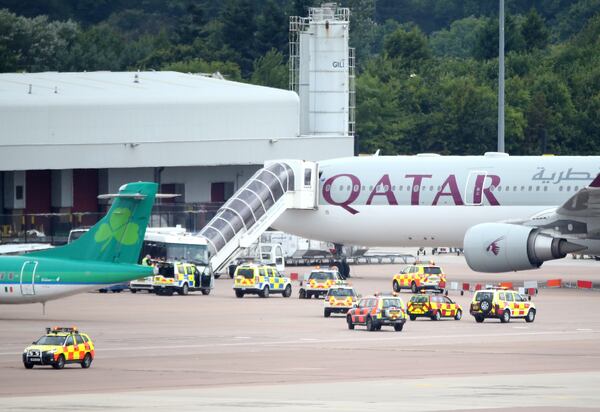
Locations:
column 220, row 353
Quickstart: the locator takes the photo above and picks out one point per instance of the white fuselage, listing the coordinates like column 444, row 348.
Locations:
column 432, row 200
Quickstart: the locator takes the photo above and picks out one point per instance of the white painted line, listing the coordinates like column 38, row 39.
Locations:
column 397, row 337
column 584, row 330
column 242, row 337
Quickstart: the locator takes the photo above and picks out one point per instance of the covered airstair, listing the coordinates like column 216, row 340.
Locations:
column 277, row 187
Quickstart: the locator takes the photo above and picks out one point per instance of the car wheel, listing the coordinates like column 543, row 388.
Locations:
column 396, row 286
column 349, row 322
column 265, row 292
column 287, row 292
column 205, row 291
column 412, row 317
column 239, row 293
column 60, row 362
column 308, row 295
column 185, row 289
column 28, row 365
column 485, row 305
column 413, row 287
column 87, row 361
column 530, row 316
column 302, row 294
column 437, row 315
column 169, row 292
column 398, row 327
column 133, row 290
column 218, row 275
column 458, row 315
column 505, row 316
column 479, row 319
column 326, row 313
column 371, row 325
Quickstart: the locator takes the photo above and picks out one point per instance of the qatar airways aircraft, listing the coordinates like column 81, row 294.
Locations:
column 507, row 212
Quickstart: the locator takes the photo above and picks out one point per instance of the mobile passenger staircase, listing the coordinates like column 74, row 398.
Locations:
column 277, row 187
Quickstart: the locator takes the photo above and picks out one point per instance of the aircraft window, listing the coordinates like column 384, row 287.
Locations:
column 537, row 188
column 416, row 188
column 529, row 189
column 499, row 188
column 393, row 187
column 328, row 188
column 492, row 188
column 514, row 188
column 370, row 188
column 522, row 188
column 341, row 187
column 568, row 188
column 363, row 188
column 348, row 188
column 431, row 188
column 400, row 187
column 545, row 188
column 576, row 188
column 439, row 188
column 356, row 188
column 11, row 276
column 507, row 189
column 560, row 188
column 1, row 276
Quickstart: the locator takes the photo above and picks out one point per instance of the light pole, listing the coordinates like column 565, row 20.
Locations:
column 501, row 79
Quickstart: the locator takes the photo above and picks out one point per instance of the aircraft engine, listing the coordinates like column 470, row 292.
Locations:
column 502, row 247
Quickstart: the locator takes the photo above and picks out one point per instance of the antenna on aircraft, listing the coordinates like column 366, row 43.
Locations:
column 377, row 152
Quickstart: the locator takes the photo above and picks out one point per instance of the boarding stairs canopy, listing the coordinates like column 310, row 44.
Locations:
column 277, row 187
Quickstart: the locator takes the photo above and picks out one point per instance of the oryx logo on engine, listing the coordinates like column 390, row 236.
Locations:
column 494, row 247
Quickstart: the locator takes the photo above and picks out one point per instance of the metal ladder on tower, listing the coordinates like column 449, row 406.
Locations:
column 277, row 187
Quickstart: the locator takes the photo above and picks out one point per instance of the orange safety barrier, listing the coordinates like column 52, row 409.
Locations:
column 294, row 276
column 532, row 291
column 554, row 283
column 466, row 287
column 584, row 284
column 478, row 286
column 507, row 285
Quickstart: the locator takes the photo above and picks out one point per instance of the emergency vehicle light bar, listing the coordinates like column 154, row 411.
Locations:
column 58, row 329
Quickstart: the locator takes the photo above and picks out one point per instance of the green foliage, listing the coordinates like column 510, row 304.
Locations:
column 271, row 70
column 426, row 69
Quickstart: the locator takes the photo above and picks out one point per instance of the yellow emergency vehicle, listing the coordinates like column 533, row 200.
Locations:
column 318, row 282
column 503, row 304
column 180, row 277
column 433, row 306
column 58, row 347
column 261, row 280
column 420, row 276
column 339, row 299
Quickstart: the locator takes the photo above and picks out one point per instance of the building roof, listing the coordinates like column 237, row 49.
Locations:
column 138, row 119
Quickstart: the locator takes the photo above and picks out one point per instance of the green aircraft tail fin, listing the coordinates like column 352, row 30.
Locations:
column 118, row 236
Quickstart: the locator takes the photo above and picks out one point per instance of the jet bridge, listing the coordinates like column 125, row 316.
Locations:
column 278, row 186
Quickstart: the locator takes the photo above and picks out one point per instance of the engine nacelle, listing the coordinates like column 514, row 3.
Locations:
column 503, row 247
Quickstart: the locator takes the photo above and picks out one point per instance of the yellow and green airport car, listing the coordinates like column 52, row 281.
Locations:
column 58, row 347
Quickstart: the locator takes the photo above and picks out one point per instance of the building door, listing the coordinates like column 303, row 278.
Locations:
column 28, row 277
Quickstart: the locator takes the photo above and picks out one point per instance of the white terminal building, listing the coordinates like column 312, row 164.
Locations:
column 65, row 138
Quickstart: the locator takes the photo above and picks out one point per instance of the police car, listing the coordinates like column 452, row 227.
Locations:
column 339, row 299
column 261, row 280
column 418, row 277
column 503, row 304
column 377, row 311
column 182, row 278
column 318, row 282
column 58, row 347
column 433, row 306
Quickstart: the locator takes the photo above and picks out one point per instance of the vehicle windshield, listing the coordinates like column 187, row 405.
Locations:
column 432, row 270
column 51, row 340
column 388, row 303
column 341, row 292
column 419, row 299
column 197, row 254
column 247, row 273
column 322, row 276
column 484, row 296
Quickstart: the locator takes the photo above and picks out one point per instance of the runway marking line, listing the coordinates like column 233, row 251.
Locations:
column 399, row 338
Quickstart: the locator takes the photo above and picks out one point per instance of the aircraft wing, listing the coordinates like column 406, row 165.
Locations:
column 585, row 203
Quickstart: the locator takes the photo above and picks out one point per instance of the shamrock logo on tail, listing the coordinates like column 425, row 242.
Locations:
column 118, row 228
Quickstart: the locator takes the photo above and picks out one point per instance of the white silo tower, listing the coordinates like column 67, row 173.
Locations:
column 322, row 70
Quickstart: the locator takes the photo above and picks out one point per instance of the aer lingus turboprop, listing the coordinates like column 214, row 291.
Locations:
column 106, row 254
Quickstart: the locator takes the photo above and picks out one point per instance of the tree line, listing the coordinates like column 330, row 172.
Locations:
column 426, row 75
